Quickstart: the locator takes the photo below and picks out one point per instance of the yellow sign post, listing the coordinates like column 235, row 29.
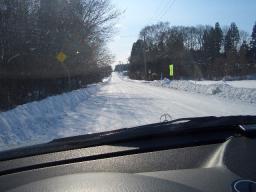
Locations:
column 61, row 57
column 171, row 70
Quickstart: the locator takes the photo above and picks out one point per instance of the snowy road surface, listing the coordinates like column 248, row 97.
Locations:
column 119, row 103
column 122, row 103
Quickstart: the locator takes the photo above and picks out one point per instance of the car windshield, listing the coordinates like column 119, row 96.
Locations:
column 76, row 67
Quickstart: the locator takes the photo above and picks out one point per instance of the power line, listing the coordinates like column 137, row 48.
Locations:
column 165, row 8
column 158, row 7
column 168, row 8
column 159, row 10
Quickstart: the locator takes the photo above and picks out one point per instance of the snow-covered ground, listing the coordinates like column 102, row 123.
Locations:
column 251, row 84
column 233, row 90
column 114, row 104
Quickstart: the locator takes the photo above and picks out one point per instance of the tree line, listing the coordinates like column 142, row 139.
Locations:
column 121, row 67
column 49, row 47
column 197, row 52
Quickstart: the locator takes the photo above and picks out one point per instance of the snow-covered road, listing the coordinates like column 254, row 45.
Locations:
column 118, row 103
column 125, row 103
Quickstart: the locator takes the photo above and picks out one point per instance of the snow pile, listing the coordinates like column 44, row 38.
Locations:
column 222, row 89
column 242, row 83
column 120, row 103
column 30, row 122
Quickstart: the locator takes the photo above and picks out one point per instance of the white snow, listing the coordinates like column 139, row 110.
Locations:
column 243, row 84
column 116, row 103
column 38, row 121
column 233, row 90
column 251, row 84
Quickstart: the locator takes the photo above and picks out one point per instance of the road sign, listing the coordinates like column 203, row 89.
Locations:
column 61, row 57
column 171, row 70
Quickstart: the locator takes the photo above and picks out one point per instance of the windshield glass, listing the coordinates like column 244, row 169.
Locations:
column 75, row 67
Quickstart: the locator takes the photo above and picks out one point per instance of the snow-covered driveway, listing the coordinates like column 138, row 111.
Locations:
column 119, row 103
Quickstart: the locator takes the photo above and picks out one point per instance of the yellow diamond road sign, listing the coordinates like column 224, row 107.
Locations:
column 61, row 57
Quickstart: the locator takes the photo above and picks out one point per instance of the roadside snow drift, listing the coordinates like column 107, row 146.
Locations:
column 235, row 90
column 119, row 103
column 29, row 123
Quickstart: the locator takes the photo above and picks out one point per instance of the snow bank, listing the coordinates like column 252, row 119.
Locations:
column 230, row 90
column 241, row 84
column 31, row 122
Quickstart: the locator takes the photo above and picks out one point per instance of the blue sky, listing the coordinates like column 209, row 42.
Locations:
column 139, row 13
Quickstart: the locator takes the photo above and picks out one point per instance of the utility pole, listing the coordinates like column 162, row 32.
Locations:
column 144, row 57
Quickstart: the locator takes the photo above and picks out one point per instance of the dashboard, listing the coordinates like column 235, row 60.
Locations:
column 145, row 165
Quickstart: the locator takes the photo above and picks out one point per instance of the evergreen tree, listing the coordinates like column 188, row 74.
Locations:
column 218, row 39
column 208, row 44
column 253, row 44
column 231, row 45
column 244, row 48
column 196, row 52
column 243, row 58
column 136, row 59
column 232, row 39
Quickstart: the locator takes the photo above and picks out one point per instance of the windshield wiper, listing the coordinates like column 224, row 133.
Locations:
column 183, row 125
column 243, row 125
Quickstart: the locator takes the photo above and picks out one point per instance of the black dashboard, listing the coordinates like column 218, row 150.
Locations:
column 145, row 165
